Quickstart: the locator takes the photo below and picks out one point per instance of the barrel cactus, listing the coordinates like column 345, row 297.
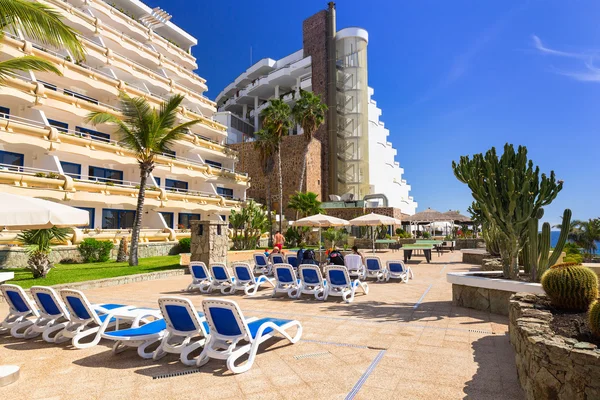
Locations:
column 594, row 318
column 570, row 286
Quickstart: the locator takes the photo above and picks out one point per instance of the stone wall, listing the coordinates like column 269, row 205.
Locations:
column 483, row 299
column 291, row 163
column 469, row 244
column 550, row 366
column 209, row 242
column 473, row 256
column 16, row 257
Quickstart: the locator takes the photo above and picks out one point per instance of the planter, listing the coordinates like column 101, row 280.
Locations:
column 480, row 291
column 550, row 366
column 473, row 256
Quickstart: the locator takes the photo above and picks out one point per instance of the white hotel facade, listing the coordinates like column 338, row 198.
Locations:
column 365, row 160
column 47, row 150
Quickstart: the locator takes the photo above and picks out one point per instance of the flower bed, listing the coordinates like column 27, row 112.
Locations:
column 550, row 366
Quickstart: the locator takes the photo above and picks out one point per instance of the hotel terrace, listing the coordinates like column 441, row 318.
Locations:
column 47, row 149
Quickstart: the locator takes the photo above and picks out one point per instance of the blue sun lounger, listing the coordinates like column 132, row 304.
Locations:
column 246, row 281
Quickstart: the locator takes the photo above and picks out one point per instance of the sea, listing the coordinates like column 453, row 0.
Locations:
column 554, row 235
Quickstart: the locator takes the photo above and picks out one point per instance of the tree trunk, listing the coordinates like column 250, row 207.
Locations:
column 280, row 190
column 303, row 170
column 137, row 224
column 270, row 214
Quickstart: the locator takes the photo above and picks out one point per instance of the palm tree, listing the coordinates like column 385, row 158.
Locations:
column 305, row 204
column 588, row 235
column 148, row 132
column 266, row 143
column 276, row 119
column 39, row 242
column 309, row 112
column 42, row 24
column 573, row 228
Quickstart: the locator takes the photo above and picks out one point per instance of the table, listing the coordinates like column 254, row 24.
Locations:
column 408, row 250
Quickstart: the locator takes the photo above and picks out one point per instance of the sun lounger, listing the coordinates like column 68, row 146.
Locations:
column 355, row 266
column 311, row 281
column 20, row 310
column 186, row 329
column 140, row 338
column 200, row 277
column 375, row 268
column 53, row 317
column 286, row 280
column 246, row 281
column 340, row 284
column 221, row 279
column 228, row 328
column 261, row 264
column 292, row 259
column 277, row 259
column 397, row 270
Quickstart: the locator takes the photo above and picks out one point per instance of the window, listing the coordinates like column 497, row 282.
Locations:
column 79, row 96
column 48, row 85
column 170, row 153
column 225, row 192
column 105, row 137
column 92, row 219
column 117, row 219
column 175, row 184
column 61, row 126
column 169, row 218
column 71, row 169
column 185, row 219
column 214, row 163
column 223, row 217
column 157, row 181
column 8, row 158
column 104, row 174
column 4, row 112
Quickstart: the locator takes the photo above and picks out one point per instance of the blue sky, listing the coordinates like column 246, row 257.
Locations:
column 452, row 77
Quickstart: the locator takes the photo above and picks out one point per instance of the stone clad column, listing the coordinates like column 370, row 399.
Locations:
column 209, row 242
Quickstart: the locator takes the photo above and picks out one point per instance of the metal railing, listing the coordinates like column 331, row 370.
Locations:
column 28, row 170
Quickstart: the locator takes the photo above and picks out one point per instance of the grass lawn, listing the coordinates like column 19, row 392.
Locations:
column 69, row 273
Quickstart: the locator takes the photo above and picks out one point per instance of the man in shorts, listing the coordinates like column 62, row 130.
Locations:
column 279, row 240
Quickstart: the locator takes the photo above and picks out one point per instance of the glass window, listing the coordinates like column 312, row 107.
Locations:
column 7, row 158
column 92, row 216
column 175, row 184
column 184, row 220
column 61, row 126
column 71, row 169
column 4, row 112
column 79, row 96
column 169, row 218
column 117, row 219
column 105, row 137
column 104, row 174
column 48, row 85
column 170, row 153
column 214, row 163
column 225, row 192
column 157, row 181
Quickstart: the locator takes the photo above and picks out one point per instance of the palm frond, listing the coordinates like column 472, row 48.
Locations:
column 168, row 111
column 27, row 63
column 41, row 23
column 175, row 134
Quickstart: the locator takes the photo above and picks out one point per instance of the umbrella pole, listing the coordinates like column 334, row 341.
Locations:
column 373, row 237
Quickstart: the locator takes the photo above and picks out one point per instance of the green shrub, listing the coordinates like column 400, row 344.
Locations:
column 570, row 286
column 185, row 245
column 402, row 233
column 93, row 250
column 573, row 258
column 594, row 318
column 426, row 235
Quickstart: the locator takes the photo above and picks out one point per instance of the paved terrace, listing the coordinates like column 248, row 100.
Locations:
column 400, row 341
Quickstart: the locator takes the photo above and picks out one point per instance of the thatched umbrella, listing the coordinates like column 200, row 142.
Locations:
column 456, row 217
column 427, row 217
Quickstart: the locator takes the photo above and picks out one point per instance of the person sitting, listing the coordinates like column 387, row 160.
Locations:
column 355, row 251
column 336, row 258
column 308, row 257
column 267, row 253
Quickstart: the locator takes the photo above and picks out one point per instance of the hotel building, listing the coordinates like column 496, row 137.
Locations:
column 47, row 150
column 356, row 155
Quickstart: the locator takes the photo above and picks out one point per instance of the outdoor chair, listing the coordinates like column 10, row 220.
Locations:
column 286, row 280
column 311, row 281
column 53, row 317
column 20, row 309
column 229, row 331
column 340, row 284
column 261, row 264
column 375, row 268
column 139, row 338
column 201, row 278
column 277, row 258
column 183, row 324
column 355, row 266
column 221, row 279
column 246, row 281
column 397, row 270
column 292, row 259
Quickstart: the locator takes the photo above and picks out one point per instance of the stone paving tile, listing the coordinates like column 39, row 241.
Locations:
column 433, row 350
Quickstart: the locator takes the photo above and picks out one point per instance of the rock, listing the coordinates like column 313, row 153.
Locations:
column 585, row 346
column 491, row 264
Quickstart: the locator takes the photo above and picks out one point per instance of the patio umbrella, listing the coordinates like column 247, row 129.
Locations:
column 20, row 212
column 321, row 221
column 374, row 220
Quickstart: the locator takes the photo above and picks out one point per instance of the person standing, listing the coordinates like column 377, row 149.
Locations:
column 279, row 240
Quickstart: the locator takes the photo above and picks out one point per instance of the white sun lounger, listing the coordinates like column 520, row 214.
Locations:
column 228, row 328
column 340, row 284
column 397, row 270
column 140, row 338
column 286, row 280
column 355, row 266
column 375, row 268
column 201, row 278
column 261, row 264
column 53, row 317
column 21, row 308
column 221, row 279
column 311, row 281
column 292, row 259
column 246, row 281
column 277, row 258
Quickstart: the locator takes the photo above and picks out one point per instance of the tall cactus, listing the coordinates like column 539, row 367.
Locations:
column 509, row 192
column 536, row 253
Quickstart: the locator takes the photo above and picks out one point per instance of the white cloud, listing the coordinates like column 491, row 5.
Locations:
column 585, row 71
column 537, row 43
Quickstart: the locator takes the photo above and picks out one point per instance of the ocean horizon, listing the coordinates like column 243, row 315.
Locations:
column 554, row 235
